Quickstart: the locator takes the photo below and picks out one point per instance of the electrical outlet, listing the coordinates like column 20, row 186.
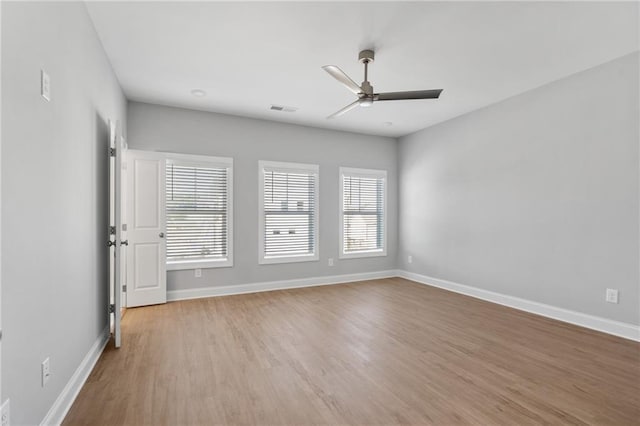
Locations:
column 46, row 371
column 612, row 295
column 331, row 261
column 45, row 85
column 5, row 418
column 197, row 273
column 409, row 259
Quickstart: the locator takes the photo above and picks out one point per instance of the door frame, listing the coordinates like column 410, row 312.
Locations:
column 116, row 242
column 1, row 394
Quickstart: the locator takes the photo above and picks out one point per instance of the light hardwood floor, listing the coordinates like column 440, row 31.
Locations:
column 371, row 353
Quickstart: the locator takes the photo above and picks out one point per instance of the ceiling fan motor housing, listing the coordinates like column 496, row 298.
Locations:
column 367, row 88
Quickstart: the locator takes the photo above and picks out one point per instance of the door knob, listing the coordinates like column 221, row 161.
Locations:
column 161, row 235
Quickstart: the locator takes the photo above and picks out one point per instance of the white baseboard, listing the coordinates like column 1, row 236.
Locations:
column 616, row 328
column 620, row 329
column 197, row 293
column 63, row 403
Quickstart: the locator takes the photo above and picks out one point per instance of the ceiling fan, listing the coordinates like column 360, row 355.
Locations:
column 365, row 94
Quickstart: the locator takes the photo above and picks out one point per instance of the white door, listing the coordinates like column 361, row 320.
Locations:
column 146, row 252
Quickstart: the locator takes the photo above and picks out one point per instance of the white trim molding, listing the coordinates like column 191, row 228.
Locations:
column 65, row 400
column 206, row 162
column 616, row 328
column 367, row 174
column 198, row 293
column 63, row 403
column 312, row 170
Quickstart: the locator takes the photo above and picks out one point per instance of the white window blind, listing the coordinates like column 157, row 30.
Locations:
column 288, row 212
column 197, row 212
column 363, row 212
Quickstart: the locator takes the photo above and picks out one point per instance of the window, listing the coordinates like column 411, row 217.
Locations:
column 199, row 212
column 362, row 215
column 288, row 212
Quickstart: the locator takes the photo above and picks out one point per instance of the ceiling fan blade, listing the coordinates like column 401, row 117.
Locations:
column 345, row 109
column 413, row 94
column 343, row 78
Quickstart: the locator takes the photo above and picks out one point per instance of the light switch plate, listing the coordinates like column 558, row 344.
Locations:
column 46, row 371
column 198, row 273
column 45, row 85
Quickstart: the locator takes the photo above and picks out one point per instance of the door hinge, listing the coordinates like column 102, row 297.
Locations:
column 112, row 308
column 124, row 288
column 111, row 243
column 112, row 230
column 112, row 152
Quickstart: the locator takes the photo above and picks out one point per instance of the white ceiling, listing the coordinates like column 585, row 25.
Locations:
column 248, row 56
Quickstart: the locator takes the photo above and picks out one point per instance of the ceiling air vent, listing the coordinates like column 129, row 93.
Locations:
column 283, row 108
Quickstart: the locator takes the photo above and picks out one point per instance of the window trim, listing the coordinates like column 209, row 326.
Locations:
column 288, row 168
column 206, row 161
column 365, row 173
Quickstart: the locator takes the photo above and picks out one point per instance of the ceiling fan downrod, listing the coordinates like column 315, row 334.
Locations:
column 366, row 99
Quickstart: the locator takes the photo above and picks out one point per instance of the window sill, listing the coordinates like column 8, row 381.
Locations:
column 363, row 254
column 288, row 259
column 198, row 264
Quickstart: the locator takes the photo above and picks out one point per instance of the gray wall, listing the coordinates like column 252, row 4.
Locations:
column 159, row 128
column 535, row 197
column 54, row 193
